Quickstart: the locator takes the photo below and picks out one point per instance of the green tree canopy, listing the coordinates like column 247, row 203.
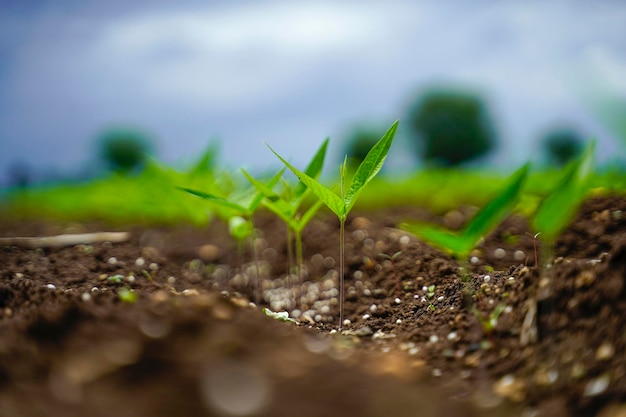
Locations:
column 562, row 145
column 124, row 149
column 450, row 127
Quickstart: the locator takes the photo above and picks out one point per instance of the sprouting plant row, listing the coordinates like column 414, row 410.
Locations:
column 553, row 214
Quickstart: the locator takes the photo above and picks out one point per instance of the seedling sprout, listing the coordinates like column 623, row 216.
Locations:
column 241, row 223
column 342, row 204
column 286, row 205
column 460, row 245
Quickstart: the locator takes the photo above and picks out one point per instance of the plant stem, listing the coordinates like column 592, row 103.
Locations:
column 341, row 266
column 255, row 253
column 299, row 264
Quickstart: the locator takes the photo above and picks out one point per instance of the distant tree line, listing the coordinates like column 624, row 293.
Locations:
column 451, row 127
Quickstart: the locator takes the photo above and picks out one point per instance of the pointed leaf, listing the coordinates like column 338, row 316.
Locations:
column 314, row 169
column 308, row 215
column 273, row 200
column 558, row 209
column 494, row 212
column 254, row 203
column 442, row 239
column 327, row 196
column 370, row 166
column 217, row 200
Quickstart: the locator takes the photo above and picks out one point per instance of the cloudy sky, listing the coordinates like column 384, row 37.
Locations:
column 291, row 73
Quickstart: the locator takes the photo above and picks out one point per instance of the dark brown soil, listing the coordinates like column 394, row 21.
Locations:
column 417, row 340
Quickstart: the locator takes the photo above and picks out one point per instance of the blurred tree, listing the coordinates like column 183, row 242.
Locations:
column 561, row 145
column 450, row 127
column 124, row 150
column 19, row 175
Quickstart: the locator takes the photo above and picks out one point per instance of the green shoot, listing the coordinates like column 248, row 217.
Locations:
column 460, row 245
column 342, row 204
column 127, row 295
column 490, row 323
column 559, row 207
column 241, row 223
column 286, row 206
column 280, row 316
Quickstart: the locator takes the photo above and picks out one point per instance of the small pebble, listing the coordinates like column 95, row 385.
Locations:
column 153, row 266
column 486, row 278
column 499, row 253
column 112, row 260
column 85, row 296
column 437, row 372
column 373, row 308
column 474, row 260
column 397, row 301
column 605, row 351
column 140, row 262
column 398, row 321
column 346, row 322
column 597, row 385
column 519, row 255
column 433, row 338
column 366, row 316
column 50, row 286
column 440, row 298
column 452, row 336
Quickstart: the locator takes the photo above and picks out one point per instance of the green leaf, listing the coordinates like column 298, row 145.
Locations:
column 218, row 200
column 313, row 170
column 442, row 239
column 239, row 228
column 308, row 215
column 370, row 166
column 496, row 210
column 327, row 196
column 281, row 315
column 461, row 245
column 558, row 209
column 273, row 201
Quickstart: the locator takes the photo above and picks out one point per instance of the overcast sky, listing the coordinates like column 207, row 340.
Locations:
column 291, row 73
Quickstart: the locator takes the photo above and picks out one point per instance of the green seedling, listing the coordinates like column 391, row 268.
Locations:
column 392, row 259
column 241, row 223
column 460, row 245
column 489, row 324
column 559, row 207
column 127, row 295
column 431, row 291
column 281, row 315
column 115, row 278
column 286, row 206
column 342, row 204
column 147, row 275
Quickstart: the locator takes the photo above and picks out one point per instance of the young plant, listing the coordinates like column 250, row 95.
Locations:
column 342, row 204
column 241, row 223
column 559, row 207
column 391, row 259
column 489, row 323
column 286, row 205
column 460, row 245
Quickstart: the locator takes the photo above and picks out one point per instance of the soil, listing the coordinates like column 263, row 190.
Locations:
column 420, row 337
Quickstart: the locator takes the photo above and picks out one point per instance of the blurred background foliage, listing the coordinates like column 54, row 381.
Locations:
column 450, row 128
